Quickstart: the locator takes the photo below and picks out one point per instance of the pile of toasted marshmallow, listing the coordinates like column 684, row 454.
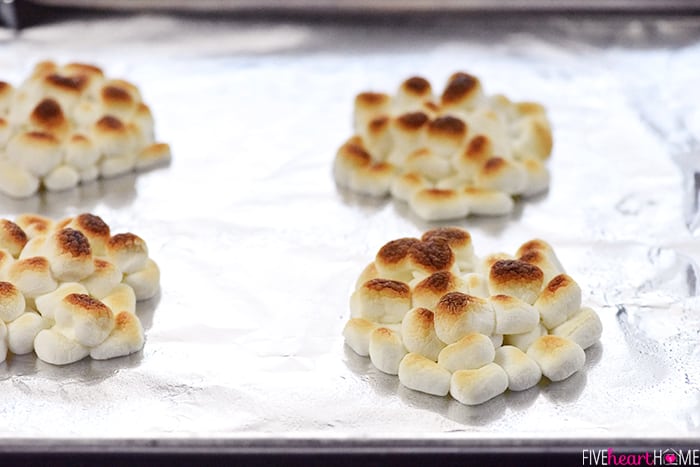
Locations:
column 458, row 154
column 70, row 124
column 68, row 289
column 447, row 321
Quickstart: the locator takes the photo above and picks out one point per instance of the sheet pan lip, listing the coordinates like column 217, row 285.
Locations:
column 308, row 445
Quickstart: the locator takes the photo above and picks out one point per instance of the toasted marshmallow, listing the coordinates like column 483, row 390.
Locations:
column 381, row 300
column 477, row 285
column 351, row 157
column 126, row 338
column 501, row 175
column 487, row 202
column 53, row 347
column 12, row 303
column 84, row 319
column 95, row 230
column 103, row 280
column 386, row 350
column 559, row 301
column 524, row 341
column 115, row 166
column 452, row 182
column 372, row 180
column 533, row 140
column 459, row 241
column 112, row 137
column 458, row 314
column 32, row 276
column 431, row 256
column 428, row 292
column 81, row 152
column 470, row 352
column 145, row 282
column 368, row 273
column 408, row 133
column 65, row 89
column 145, row 126
column 463, row 92
column 541, row 254
column 46, row 304
column 6, row 93
column 412, row 94
column 557, row 357
column 5, row 132
column 469, row 162
column 48, row 117
column 377, row 138
column 368, row 106
column 422, row 374
column 513, row 316
column 153, row 155
column 3, row 341
column 118, row 101
column 473, row 387
column 446, row 135
column 484, row 121
column 537, row 177
column 433, row 204
column 12, row 237
column 16, row 181
column 523, row 372
column 70, row 255
column 356, row 333
column 428, row 163
column 392, row 259
column 584, row 328
column 22, row 331
column 121, row 298
column 128, row 252
column 6, row 260
column 34, row 224
column 405, row 185
column 62, row 177
column 517, row 278
column 34, row 151
column 489, row 260
column 418, row 332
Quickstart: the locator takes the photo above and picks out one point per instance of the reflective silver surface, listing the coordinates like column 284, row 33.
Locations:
column 259, row 250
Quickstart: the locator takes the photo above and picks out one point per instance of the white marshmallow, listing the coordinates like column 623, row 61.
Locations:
column 128, row 252
column 113, row 138
column 46, row 304
column 3, row 341
column 53, row 347
column 126, row 338
column 473, row 387
column 559, row 301
column 16, row 181
column 477, row 285
column 386, row 350
column 524, row 341
column 5, row 132
column 89, row 174
column 487, row 202
column 422, row 374
column 584, row 328
column 356, row 333
column 103, row 280
column 32, row 276
column 34, row 247
column 372, row 180
column 428, row 163
column 122, row 298
column 381, row 300
column 36, row 152
column 62, row 177
column 458, row 314
column 81, row 153
column 368, row 273
column 6, row 260
column 432, row 204
column 12, row 303
column 114, row 166
column 496, row 340
column 145, row 126
column 22, row 331
column 145, row 282
column 153, row 155
column 523, row 372
column 557, row 357
column 470, row 352
column 501, row 174
column 84, row 319
column 537, row 177
column 533, row 139
column 513, row 316
column 405, row 185
column 418, row 333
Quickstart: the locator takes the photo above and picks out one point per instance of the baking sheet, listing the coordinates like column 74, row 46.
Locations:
column 259, row 250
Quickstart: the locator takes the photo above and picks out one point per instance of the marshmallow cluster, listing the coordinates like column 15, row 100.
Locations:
column 449, row 322
column 71, row 124
column 448, row 156
column 68, row 289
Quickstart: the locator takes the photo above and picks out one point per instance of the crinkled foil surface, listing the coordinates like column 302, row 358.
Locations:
column 259, row 249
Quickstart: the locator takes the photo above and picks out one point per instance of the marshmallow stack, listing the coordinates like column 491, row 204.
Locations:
column 447, row 156
column 447, row 321
column 70, row 124
column 68, row 289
